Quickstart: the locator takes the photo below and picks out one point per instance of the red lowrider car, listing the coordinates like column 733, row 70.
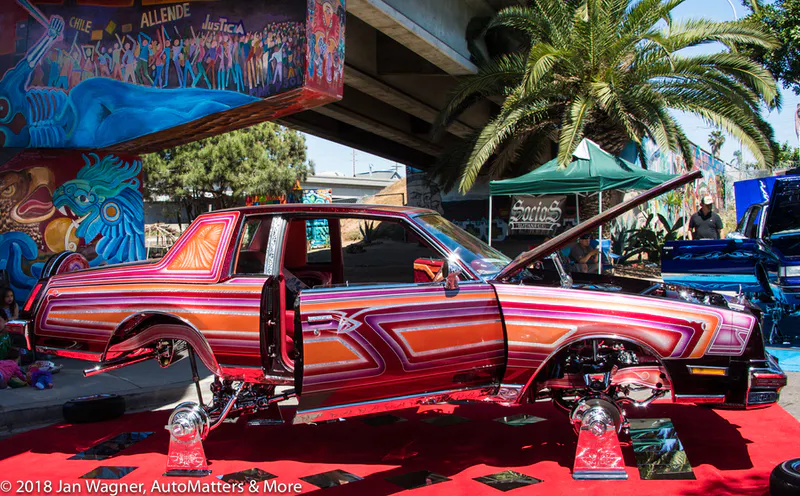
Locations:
column 362, row 309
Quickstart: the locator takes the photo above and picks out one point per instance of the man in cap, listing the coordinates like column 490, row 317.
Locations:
column 584, row 256
column 705, row 223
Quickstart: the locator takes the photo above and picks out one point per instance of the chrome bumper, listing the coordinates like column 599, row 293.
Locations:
column 764, row 384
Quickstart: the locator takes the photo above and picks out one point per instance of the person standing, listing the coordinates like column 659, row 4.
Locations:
column 705, row 223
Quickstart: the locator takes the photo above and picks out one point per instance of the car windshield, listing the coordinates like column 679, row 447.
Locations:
column 784, row 219
column 483, row 259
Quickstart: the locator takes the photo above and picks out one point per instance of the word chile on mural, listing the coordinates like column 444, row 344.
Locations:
column 94, row 74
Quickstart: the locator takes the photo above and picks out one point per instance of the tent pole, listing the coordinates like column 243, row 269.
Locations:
column 600, row 255
column 490, row 220
column 578, row 207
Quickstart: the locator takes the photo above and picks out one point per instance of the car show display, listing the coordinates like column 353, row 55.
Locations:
column 359, row 328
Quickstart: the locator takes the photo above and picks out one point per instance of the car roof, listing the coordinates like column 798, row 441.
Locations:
column 331, row 208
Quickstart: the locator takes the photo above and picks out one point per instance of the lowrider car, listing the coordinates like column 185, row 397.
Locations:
column 760, row 258
column 361, row 309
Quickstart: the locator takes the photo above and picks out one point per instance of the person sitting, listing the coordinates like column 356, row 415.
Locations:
column 584, row 257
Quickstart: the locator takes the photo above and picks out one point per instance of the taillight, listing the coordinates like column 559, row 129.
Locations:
column 32, row 298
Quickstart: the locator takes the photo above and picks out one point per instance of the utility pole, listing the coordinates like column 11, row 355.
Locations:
column 354, row 162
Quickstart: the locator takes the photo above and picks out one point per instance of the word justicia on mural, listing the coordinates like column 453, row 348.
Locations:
column 536, row 215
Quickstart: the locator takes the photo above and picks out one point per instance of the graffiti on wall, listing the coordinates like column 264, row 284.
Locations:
column 87, row 75
column 317, row 230
column 85, row 202
column 422, row 191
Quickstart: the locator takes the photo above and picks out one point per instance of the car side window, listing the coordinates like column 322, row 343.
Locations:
column 253, row 246
column 386, row 251
column 751, row 228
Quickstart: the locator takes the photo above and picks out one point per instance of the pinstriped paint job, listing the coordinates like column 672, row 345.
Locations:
column 539, row 321
column 372, row 342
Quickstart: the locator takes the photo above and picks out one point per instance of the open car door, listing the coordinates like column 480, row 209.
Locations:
column 367, row 349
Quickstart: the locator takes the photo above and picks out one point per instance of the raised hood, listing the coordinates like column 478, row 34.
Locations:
column 563, row 239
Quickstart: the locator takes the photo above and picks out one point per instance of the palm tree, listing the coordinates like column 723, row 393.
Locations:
column 715, row 140
column 609, row 70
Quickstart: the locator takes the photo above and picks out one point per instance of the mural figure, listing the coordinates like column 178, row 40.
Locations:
column 326, row 41
column 105, row 200
column 94, row 208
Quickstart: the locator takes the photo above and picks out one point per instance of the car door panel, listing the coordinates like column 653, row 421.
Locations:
column 377, row 343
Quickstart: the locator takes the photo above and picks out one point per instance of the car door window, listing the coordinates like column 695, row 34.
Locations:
column 251, row 257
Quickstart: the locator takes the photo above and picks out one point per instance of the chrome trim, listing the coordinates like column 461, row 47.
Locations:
column 253, row 374
column 692, row 367
column 397, row 403
column 89, row 356
column 118, row 363
column 683, row 399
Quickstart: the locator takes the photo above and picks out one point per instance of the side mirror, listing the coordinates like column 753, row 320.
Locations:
column 451, row 270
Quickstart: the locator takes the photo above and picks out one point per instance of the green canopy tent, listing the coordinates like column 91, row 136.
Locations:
column 593, row 170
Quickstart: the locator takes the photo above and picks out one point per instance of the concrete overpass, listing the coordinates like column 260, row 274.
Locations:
column 403, row 57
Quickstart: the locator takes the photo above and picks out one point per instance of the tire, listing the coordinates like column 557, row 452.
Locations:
column 785, row 479
column 95, row 408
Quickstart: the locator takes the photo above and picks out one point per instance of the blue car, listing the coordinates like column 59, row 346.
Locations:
column 761, row 258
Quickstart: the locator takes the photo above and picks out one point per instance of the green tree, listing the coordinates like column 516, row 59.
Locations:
column 611, row 71
column 782, row 19
column 789, row 156
column 716, row 140
column 265, row 159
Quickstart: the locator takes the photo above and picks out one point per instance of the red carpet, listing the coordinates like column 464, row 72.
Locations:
column 731, row 452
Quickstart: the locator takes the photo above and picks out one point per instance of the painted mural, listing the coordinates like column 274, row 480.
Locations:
column 93, row 74
column 317, row 230
column 85, row 202
column 683, row 202
column 326, row 44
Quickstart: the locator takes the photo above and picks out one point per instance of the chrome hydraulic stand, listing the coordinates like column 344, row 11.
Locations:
column 598, row 420
column 188, row 427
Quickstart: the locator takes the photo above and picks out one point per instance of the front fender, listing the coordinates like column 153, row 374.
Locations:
column 542, row 321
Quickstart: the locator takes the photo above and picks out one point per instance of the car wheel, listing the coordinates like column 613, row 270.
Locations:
column 785, row 479
column 94, row 408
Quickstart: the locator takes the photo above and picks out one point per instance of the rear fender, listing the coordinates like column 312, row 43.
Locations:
column 141, row 329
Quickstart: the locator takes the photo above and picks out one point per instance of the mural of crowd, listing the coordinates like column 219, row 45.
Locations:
column 89, row 75
column 84, row 202
column 258, row 63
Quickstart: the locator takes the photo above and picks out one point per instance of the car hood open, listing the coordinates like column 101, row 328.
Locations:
column 563, row 239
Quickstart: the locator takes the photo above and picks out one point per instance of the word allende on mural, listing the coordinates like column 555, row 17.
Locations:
column 165, row 14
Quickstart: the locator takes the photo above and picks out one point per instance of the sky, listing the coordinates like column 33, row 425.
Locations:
column 330, row 156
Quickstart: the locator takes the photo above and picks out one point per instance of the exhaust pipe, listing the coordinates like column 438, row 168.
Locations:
column 118, row 363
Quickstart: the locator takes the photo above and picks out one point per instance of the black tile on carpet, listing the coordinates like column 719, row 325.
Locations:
column 382, row 420
column 519, row 419
column 331, row 479
column 442, row 420
column 112, row 473
column 249, row 475
column 111, row 447
column 508, row 480
column 413, row 480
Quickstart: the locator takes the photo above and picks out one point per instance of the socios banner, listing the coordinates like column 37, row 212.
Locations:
column 536, row 214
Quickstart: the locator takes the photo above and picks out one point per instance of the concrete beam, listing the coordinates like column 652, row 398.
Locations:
column 410, row 33
column 387, row 94
column 368, row 124
column 345, row 134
